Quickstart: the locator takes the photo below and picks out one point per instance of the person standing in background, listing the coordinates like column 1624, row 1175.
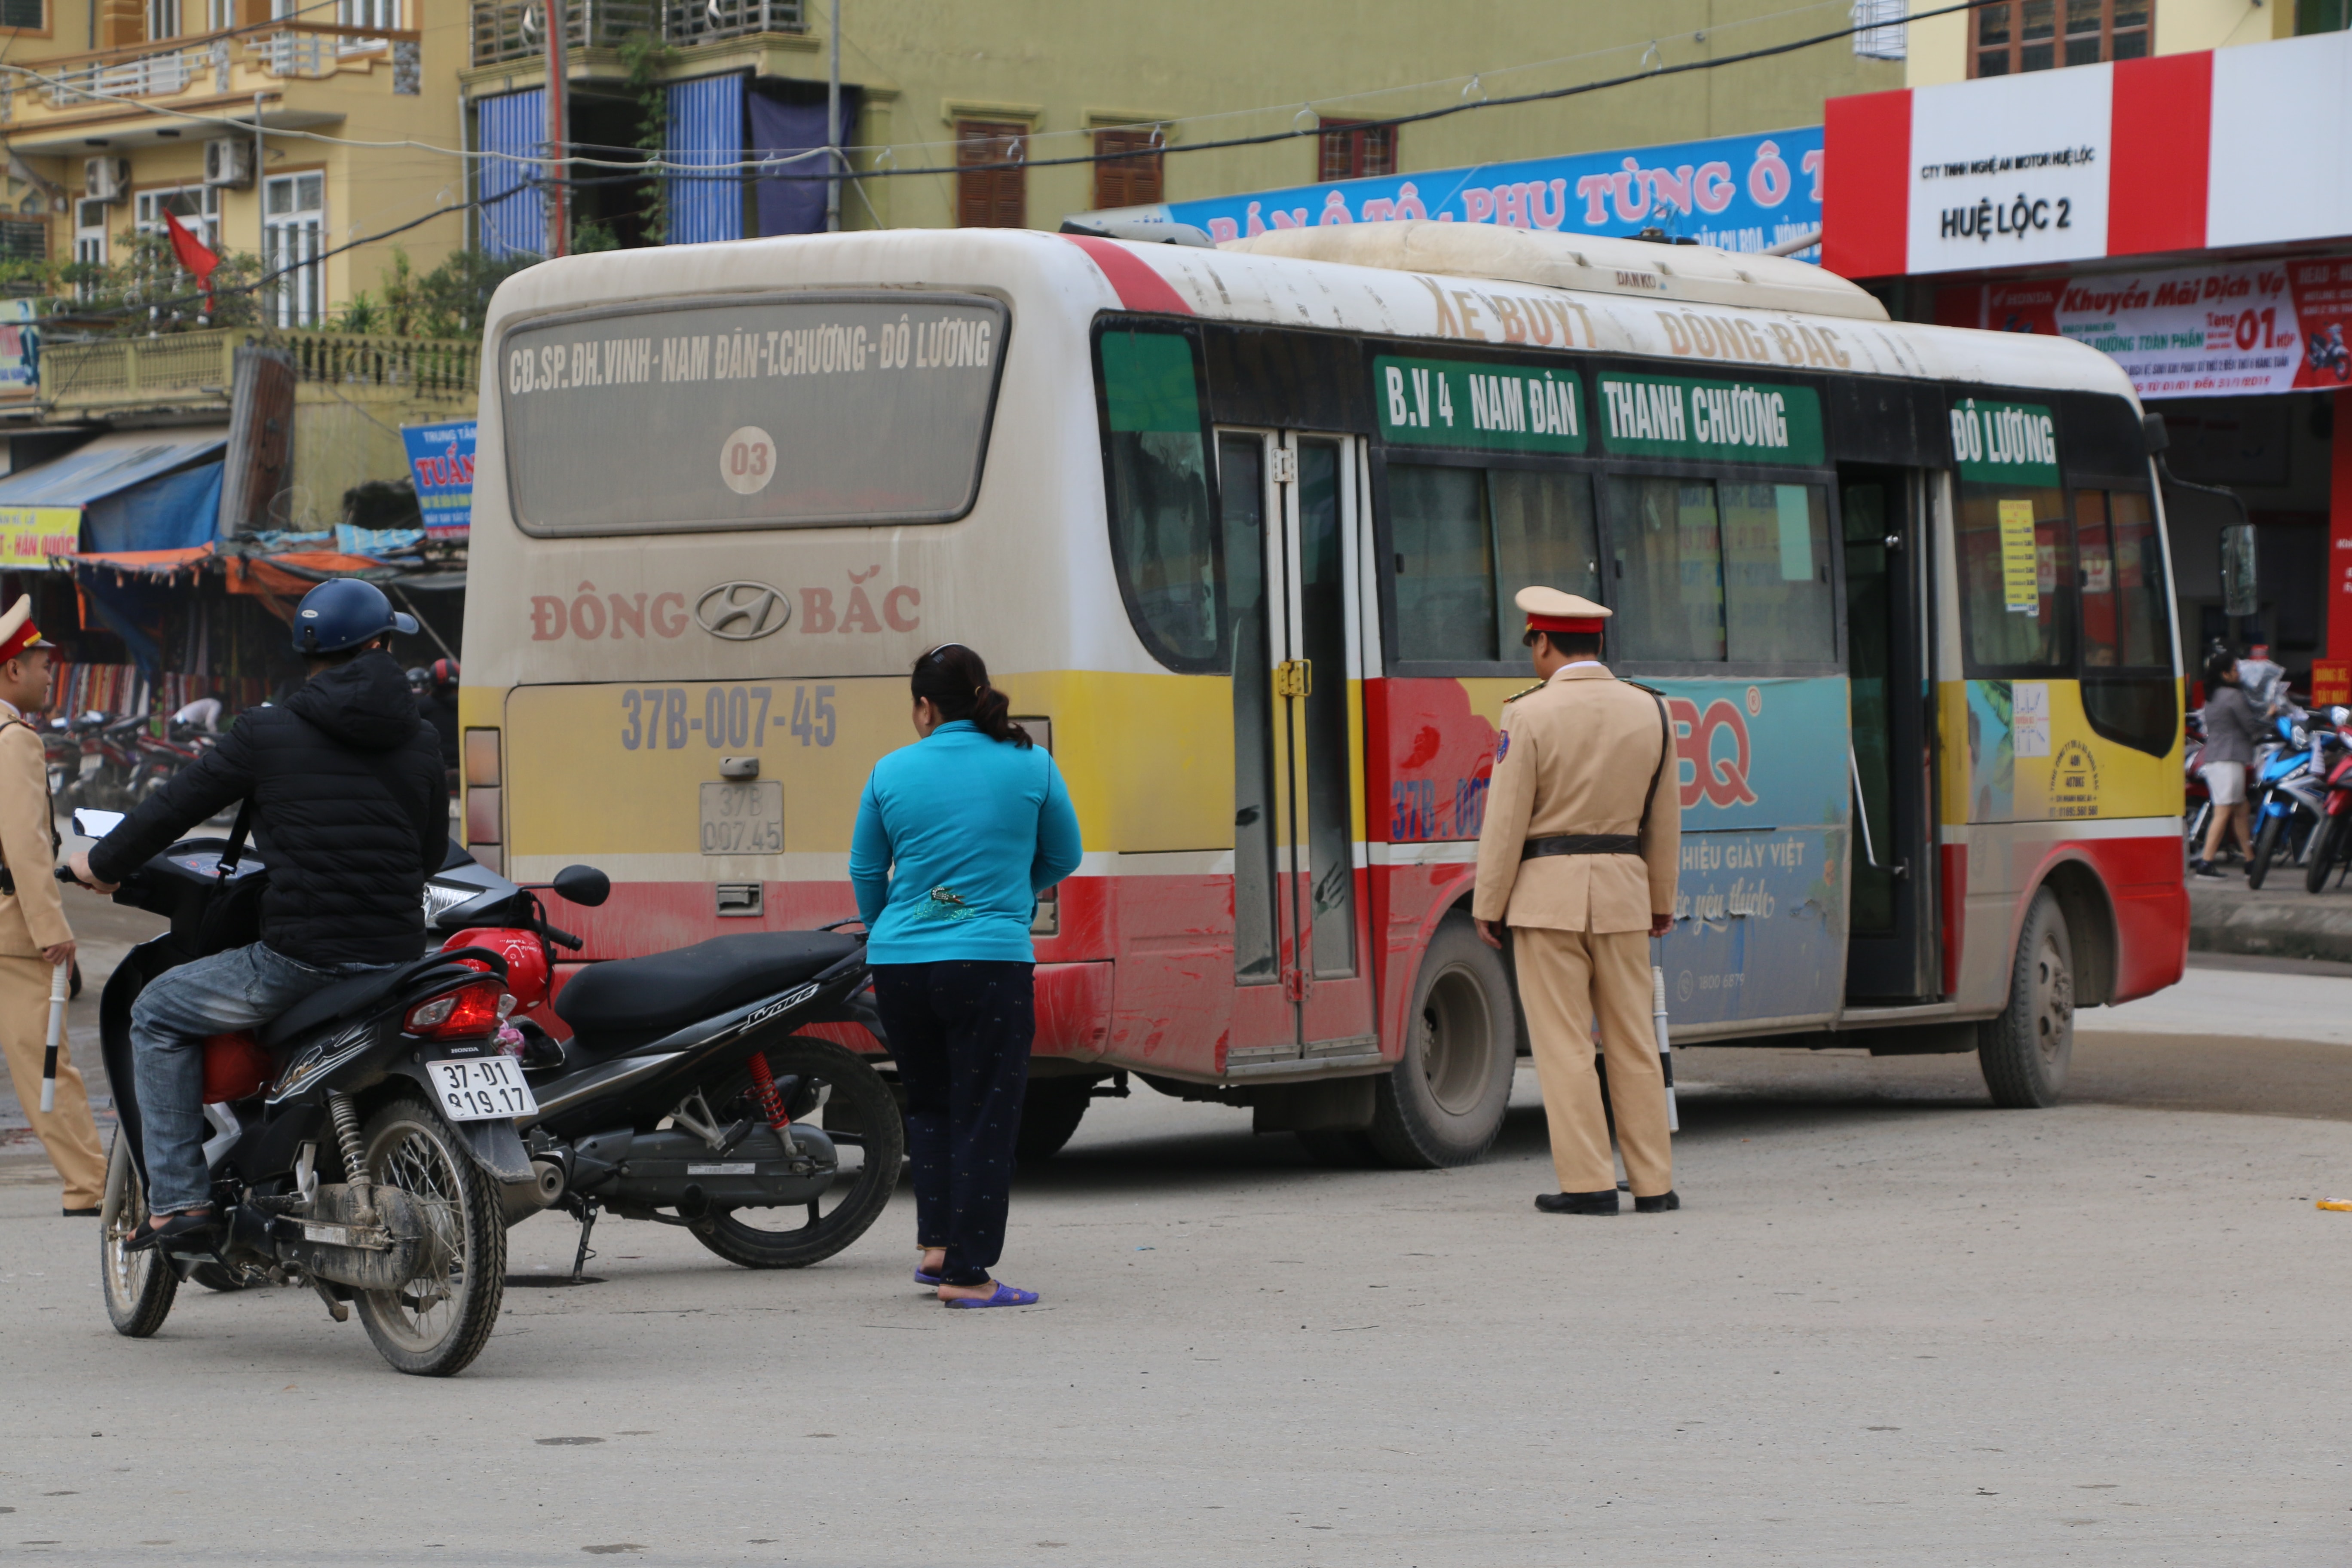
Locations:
column 1578, row 856
column 34, row 936
column 957, row 836
column 437, row 706
column 2234, row 730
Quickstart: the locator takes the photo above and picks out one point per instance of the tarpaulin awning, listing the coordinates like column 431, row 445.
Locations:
column 111, row 464
column 163, row 564
column 295, row 572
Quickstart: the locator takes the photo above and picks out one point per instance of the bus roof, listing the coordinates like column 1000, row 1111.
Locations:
column 1709, row 309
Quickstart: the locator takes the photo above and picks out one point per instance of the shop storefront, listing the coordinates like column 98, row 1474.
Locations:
column 2189, row 216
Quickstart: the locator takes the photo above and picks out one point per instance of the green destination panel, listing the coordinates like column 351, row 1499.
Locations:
column 1726, row 421
column 1486, row 408
column 2004, row 443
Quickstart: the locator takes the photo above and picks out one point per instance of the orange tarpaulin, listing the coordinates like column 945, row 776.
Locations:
column 145, row 563
column 266, row 576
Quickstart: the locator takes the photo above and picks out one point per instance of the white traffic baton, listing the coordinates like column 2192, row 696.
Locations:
column 1665, row 1047
column 60, row 982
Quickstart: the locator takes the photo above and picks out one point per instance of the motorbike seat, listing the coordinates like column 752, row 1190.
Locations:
column 331, row 1002
column 629, row 1002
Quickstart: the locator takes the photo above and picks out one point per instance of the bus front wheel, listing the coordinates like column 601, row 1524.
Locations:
column 1443, row 1103
column 2024, row 1052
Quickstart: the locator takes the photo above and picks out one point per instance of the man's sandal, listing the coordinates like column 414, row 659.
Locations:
column 178, row 1228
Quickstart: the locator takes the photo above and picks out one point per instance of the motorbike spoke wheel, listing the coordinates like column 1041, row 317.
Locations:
column 2326, row 847
column 139, row 1286
column 437, row 1323
column 847, row 1097
column 2266, row 849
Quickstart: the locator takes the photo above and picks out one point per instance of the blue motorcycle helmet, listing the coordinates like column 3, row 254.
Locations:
column 344, row 614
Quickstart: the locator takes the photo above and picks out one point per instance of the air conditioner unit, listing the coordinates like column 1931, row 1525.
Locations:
column 228, row 160
column 106, row 179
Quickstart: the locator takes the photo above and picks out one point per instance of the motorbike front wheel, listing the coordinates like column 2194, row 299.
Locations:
column 139, row 1286
column 435, row 1325
column 2267, row 844
column 2327, row 847
column 860, row 1113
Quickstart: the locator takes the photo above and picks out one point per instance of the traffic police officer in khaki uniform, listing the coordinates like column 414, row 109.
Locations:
column 1578, row 856
column 34, row 936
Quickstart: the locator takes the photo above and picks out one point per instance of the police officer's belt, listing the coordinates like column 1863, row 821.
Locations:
column 1583, row 843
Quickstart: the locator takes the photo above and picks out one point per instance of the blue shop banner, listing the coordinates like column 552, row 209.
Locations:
column 1740, row 193
column 441, row 461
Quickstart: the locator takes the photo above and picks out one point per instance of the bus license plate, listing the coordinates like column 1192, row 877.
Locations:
column 743, row 818
column 487, row 1088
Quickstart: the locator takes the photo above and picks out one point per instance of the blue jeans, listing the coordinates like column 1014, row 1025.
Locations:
column 239, row 989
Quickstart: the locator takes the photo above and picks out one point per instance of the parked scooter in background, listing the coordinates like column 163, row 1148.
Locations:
column 2289, row 795
column 2331, row 841
column 2197, row 810
column 686, row 1093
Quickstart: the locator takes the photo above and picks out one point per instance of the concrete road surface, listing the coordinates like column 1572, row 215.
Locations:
column 1893, row 1325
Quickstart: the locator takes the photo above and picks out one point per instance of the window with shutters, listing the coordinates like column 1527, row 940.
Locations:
column 24, row 239
column 992, row 185
column 1128, row 174
column 25, row 14
column 1352, row 151
column 2043, row 35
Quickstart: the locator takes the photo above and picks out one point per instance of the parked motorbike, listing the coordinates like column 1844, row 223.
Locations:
column 363, row 1142
column 2288, row 792
column 2197, row 809
column 2331, row 841
column 684, row 1094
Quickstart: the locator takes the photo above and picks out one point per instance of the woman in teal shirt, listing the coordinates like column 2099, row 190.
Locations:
column 956, row 835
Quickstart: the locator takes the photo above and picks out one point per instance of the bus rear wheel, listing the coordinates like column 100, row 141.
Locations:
column 2025, row 1051
column 1443, row 1103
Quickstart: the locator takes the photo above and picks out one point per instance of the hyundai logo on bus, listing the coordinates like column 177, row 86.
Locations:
column 742, row 611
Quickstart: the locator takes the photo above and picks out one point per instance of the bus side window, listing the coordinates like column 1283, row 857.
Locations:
column 1776, row 568
column 1668, row 565
column 1445, row 563
column 2017, row 578
column 2127, row 688
column 1162, row 531
column 1543, row 535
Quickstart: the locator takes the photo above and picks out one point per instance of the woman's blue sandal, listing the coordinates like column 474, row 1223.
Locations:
column 926, row 1279
column 1003, row 1296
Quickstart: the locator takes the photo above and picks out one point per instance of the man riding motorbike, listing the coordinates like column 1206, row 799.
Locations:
column 350, row 812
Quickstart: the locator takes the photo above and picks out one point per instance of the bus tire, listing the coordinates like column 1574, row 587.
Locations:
column 2025, row 1051
column 1050, row 1113
column 1443, row 1103
column 2267, row 843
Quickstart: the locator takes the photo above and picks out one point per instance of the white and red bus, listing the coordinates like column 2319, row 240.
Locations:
column 1239, row 529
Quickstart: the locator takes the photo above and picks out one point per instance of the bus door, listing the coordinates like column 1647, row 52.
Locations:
column 1301, row 947
column 1891, row 954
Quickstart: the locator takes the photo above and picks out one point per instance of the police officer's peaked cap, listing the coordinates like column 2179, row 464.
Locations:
column 18, row 631
column 1550, row 610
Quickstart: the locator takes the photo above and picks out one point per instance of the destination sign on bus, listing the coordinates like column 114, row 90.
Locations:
column 1726, row 421
column 2005, row 443
column 1486, row 407
column 750, row 414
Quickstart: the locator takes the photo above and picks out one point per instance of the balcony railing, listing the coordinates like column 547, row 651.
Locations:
column 506, row 30
column 195, row 369
column 293, row 50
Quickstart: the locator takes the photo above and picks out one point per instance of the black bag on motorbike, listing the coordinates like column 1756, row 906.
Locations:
column 232, row 916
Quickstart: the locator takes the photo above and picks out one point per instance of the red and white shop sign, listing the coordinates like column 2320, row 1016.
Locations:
column 2179, row 153
column 2199, row 331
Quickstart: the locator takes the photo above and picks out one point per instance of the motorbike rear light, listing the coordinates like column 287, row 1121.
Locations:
column 458, row 1015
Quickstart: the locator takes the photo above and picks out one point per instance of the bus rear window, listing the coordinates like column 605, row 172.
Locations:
column 750, row 414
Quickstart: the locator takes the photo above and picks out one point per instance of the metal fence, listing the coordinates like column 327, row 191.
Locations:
column 198, row 368
column 517, row 29
column 294, row 50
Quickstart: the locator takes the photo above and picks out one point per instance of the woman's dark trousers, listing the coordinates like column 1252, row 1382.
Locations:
column 960, row 1032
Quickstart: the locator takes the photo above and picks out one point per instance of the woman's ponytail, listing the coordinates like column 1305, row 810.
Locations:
column 954, row 681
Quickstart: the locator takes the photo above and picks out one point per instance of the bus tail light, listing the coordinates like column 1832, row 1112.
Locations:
column 484, row 839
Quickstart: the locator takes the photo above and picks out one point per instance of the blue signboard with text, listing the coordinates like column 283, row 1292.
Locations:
column 1740, row 193
column 441, row 462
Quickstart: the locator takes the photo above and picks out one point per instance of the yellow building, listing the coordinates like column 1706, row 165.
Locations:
column 2045, row 34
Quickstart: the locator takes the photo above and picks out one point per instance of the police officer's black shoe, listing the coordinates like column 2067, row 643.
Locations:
column 1577, row 1202
column 1660, row 1204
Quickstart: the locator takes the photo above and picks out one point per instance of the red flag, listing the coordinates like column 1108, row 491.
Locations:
column 193, row 256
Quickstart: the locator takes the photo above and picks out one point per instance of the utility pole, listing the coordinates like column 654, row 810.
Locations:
column 835, row 163
column 558, row 82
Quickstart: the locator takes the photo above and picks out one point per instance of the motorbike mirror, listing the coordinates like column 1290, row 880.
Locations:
column 96, row 823
column 582, row 885
column 2340, row 716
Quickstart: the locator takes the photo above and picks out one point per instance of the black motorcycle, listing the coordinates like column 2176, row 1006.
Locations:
column 684, row 1093
column 363, row 1142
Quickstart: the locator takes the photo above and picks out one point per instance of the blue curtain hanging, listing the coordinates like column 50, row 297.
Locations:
column 511, row 219
column 706, row 129
column 781, row 127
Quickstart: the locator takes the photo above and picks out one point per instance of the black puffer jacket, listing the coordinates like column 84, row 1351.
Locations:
column 351, row 812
